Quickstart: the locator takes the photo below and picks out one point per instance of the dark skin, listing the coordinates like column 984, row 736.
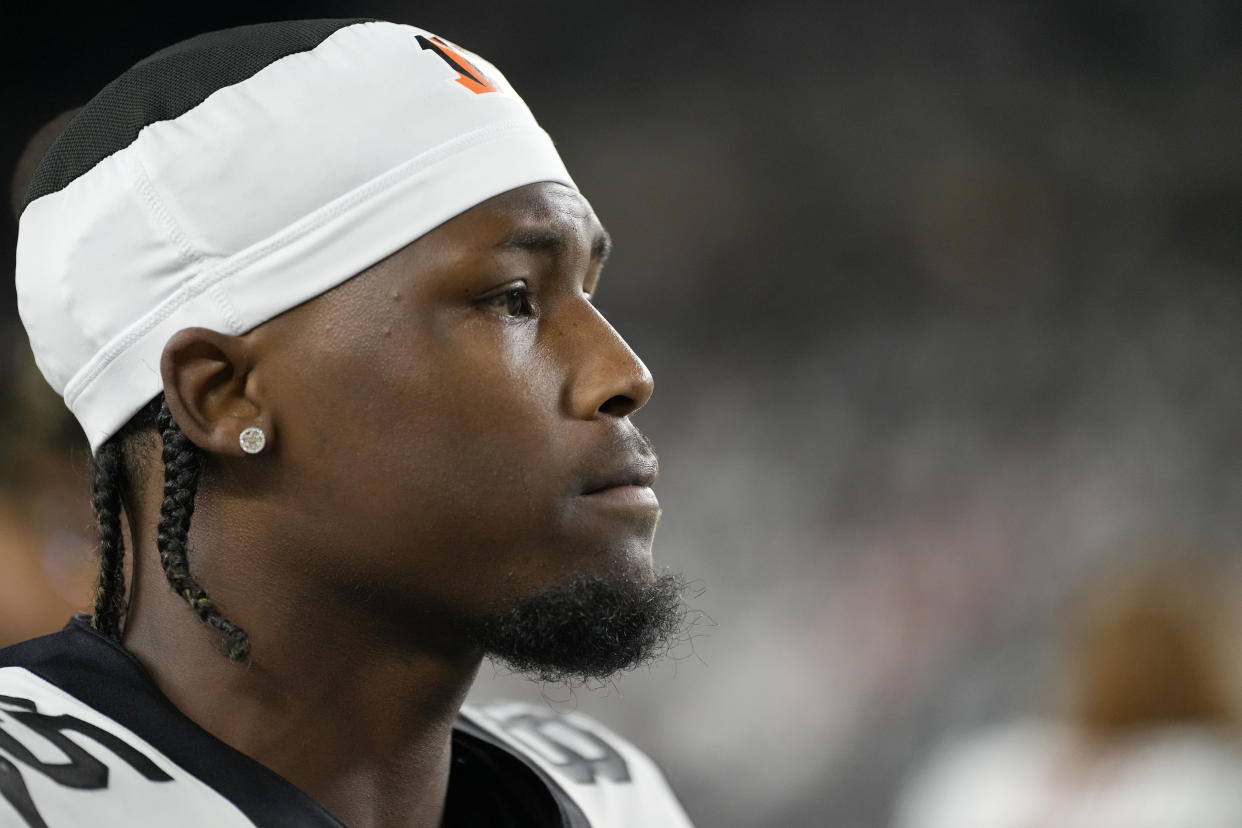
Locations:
column 448, row 432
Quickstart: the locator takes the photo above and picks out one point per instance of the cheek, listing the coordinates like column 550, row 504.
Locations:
column 467, row 422
column 455, row 455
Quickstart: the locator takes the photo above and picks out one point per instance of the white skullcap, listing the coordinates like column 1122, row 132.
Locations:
column 230, row 178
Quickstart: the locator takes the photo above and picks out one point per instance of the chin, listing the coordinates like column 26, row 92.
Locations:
column 589, row 626
column 629, row 561
column 613, row 528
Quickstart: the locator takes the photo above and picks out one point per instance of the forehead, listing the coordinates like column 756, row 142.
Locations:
column 546, row 204
column 545, row 217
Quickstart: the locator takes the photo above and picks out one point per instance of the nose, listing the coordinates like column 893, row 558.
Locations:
column 608, row 379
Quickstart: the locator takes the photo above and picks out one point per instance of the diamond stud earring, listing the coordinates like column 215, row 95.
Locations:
column 252, row 440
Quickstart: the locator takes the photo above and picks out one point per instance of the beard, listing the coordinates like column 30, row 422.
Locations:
column 589, row 628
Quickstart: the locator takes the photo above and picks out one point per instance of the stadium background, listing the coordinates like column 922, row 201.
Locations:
column 942, row 303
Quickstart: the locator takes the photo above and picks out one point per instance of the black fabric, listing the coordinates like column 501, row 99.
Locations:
column 494, row 788
column 490, row 785
column 166, row 85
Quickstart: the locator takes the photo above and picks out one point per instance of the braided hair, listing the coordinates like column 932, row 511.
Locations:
column 107, row 482
column 117, row 466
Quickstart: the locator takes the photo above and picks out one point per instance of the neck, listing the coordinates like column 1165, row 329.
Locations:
column 357, row 717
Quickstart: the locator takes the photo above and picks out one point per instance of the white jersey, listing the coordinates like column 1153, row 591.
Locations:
column 86, row 738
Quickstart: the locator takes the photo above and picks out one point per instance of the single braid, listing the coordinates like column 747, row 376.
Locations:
column 106, row 483
column 182, row 462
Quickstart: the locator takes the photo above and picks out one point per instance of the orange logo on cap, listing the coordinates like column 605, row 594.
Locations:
column 468, row 75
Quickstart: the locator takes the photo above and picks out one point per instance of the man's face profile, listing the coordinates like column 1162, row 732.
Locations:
column 456, row 456
column 354, row 403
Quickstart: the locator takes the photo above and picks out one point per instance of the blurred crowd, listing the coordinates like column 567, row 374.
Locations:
column 1145, row 733
column 942, row 306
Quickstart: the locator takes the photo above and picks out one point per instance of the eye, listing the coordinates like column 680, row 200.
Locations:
column 513, row 301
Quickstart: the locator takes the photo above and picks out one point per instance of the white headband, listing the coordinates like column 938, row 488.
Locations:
column 348, row 141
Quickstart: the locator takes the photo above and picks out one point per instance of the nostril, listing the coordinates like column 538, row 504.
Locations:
column 619, row 406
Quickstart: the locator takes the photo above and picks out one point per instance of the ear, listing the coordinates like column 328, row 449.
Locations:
column 207, row 385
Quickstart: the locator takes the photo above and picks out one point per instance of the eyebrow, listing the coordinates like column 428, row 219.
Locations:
column 552, row 243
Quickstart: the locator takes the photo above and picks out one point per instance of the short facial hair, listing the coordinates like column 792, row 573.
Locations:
column 589, row 628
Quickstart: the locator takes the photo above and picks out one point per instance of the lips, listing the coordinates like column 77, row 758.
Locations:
column 633, row 470
column 626, row 461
